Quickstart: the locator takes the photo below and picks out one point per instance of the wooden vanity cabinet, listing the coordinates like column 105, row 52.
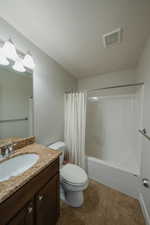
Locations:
column 47, row 203
column 36, row 203
column 25, row 216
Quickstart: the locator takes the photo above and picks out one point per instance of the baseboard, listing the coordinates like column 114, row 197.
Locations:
column 144, row 209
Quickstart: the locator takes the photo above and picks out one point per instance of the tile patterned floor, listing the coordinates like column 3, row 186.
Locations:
column 103, row 206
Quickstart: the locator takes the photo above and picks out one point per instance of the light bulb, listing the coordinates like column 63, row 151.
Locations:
column 10, row 50
column 93, row 99
column 18, row 66
column 3, row 59
column 28, row 61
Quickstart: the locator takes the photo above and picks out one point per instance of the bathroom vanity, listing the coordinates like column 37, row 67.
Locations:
column 29, row 175
column 32, row 198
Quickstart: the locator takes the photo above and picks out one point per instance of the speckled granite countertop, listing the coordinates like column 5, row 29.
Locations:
column 46, row 157
column 9, row 140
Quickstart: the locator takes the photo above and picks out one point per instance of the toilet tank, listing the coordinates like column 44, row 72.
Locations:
column 60, row 146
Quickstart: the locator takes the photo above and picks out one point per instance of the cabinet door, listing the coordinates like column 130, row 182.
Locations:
column 24, row 217
column 47, row 203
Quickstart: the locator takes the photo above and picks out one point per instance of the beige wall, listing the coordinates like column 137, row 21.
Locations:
column 50, row 81
column 143, row 72
column 110, row 79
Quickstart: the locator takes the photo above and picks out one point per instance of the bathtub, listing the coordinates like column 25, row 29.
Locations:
column 113, row 176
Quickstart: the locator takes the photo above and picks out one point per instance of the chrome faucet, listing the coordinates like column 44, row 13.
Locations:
column 7, row 150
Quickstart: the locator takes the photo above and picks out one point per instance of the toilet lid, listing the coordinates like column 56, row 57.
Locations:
column 73, row 174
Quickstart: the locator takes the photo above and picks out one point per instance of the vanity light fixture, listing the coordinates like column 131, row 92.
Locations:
column 3, row 60
column 9, row 54
column 18, row 66
column 10, row 50
column 28, row 61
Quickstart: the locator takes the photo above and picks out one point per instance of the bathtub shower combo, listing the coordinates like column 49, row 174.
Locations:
column 113, row 143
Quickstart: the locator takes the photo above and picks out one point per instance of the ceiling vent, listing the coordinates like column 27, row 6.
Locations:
column 112, row 38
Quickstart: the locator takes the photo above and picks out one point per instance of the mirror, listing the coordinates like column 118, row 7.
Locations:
column 16, row 104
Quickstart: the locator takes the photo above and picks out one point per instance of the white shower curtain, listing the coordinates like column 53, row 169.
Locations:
column 75, row 123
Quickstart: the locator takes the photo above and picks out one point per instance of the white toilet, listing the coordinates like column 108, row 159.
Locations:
column 73, row 179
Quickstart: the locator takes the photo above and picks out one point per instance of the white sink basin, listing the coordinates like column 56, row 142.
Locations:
column 17, row 165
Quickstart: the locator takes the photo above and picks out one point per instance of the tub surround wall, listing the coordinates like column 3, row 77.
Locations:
column 111, row 174
column 50, row 81
column 112, row 128
column 115, row 152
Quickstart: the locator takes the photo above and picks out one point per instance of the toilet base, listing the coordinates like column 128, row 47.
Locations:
column 74, row 198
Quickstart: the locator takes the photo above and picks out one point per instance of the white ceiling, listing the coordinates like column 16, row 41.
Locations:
column 70, row 31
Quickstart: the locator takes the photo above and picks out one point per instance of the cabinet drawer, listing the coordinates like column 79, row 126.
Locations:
column 14, row 203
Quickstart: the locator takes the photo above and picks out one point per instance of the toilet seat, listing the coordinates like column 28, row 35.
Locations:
column 73, row 175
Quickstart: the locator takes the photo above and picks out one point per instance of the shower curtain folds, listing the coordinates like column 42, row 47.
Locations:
column 75, row 123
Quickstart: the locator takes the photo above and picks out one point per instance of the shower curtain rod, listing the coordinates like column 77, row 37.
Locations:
column 117, row 86
column 109, row 87
column 71, row 90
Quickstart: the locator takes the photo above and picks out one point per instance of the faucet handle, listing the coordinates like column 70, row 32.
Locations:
column 7, row 149
column 11, row 147
column 3, row 150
